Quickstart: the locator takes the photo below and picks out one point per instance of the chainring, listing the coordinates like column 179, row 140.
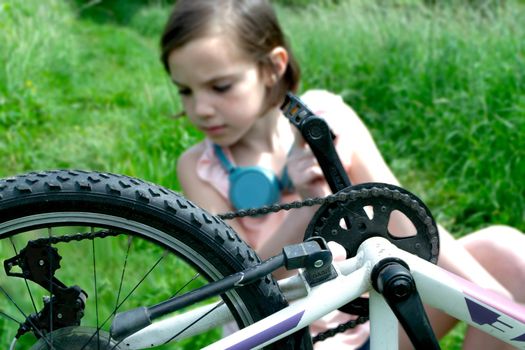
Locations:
column 366, row 212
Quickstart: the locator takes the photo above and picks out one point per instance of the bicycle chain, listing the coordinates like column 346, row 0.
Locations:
column 274, row 208
column 343, row 327
column 341, row 196
column 76, row 237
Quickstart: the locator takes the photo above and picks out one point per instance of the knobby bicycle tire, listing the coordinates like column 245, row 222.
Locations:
column 158, row 230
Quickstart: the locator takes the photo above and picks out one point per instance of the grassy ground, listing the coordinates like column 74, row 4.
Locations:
column 441, row 87
column 443, row 91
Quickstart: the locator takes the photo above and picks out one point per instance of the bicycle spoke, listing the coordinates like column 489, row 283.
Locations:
column 9, row 317
column 39, row 332
column 129, row 294
column 197, row 275
column 143, row 278
column 130, row 239
column 50, row 278
column 184, row 329
column 99, row 327
column 197, row 320
column 96, row 289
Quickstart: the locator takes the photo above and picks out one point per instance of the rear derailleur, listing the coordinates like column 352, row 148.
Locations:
column 64, row 307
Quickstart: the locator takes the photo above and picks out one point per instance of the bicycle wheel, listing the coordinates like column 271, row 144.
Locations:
column 77, row 247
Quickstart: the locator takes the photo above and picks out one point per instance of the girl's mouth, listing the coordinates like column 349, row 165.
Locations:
column 214, row 130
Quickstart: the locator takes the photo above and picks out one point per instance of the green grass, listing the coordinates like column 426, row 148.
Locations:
column 441, row 87
column 77, row 93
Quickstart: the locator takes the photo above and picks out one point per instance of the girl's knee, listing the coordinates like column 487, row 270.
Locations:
column 499, row 249
column 502, row 230
column 493, row 237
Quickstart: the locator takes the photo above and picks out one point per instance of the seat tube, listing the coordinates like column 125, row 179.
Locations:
column 383, row 324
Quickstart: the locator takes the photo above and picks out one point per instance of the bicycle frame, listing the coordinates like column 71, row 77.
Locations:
column 483, row 309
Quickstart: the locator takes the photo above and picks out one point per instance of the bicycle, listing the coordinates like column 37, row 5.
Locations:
column 96, row 214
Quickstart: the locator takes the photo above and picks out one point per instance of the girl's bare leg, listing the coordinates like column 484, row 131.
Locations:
column 498, row 249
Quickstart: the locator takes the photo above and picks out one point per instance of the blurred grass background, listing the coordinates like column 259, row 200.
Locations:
column 441, row 85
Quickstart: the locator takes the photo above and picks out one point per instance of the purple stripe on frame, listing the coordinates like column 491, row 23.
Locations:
column 480, row 314
column 520, row 338
column 269, row 333
column 492, row 299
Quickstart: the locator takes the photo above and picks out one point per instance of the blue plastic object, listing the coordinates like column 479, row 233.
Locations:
column 252, row 186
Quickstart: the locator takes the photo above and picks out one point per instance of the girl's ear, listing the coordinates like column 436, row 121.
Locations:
column 279, row 60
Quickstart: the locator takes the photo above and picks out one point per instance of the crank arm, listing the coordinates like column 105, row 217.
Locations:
column 319, row 137
column 392, row 278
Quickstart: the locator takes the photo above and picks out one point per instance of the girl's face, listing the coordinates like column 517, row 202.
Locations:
column 222, row 90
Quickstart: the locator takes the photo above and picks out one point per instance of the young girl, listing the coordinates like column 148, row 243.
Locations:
column 232, row 66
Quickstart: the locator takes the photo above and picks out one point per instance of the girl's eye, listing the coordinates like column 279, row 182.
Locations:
column 222, row 88
column 184, row 91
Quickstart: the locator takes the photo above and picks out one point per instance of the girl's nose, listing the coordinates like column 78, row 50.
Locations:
column 203, row 106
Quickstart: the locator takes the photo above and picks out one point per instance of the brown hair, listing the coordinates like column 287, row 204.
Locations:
column 253, row 22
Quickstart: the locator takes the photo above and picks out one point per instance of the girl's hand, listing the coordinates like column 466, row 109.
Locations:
column 304, row 171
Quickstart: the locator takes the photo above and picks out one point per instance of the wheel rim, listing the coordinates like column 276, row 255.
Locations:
column 54, row 224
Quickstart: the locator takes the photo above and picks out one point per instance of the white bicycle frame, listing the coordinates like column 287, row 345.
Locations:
column 438, row 288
